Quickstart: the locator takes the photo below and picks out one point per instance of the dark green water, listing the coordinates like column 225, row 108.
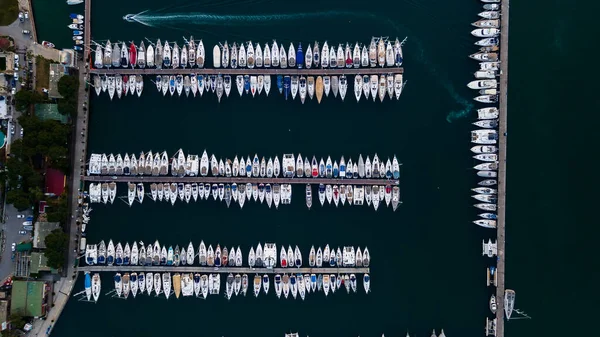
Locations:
column 427, row 269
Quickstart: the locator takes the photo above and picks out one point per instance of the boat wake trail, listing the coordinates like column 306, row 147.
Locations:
column 153, row 20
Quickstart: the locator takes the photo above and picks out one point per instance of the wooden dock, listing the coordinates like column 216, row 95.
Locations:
column 223, row 270
column 245, row 71
column 501, row 221
column 239, row 180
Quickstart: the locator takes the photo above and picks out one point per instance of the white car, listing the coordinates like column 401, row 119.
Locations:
column 26, row 15
column 21, row 132
column 13, row 91
column 20, row 216
column 13, row 247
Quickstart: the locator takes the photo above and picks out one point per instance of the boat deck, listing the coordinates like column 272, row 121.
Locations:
column 226, row 270
column 239, row 180
column 255, row 71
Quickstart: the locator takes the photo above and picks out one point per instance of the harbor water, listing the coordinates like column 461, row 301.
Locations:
column 427, row 270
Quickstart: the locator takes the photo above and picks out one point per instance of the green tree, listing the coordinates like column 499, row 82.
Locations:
column 67, row 107
column 68, row 86
column 18, row 198
column 57, row 243
column 25, row 98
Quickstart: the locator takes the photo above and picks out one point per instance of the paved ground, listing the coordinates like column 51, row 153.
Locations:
column 11, row 228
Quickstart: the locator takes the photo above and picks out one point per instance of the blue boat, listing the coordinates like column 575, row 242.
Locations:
column 280, row 83
column 77, row 32
column 332, row 259
column 246, row 83
column 300, row 57
column 286, row 86
column 336, row 172
column 78, row 48
column 200, row 82
column 89, row 260
column 491, row 216
column 119, row 261
column 88, row 281
column 75, row 16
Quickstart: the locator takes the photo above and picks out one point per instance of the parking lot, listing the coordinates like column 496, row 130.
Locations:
column 13, row 233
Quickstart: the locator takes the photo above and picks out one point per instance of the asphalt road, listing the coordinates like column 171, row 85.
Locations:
column 11, row 227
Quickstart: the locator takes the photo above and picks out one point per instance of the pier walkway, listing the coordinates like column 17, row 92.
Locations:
column 225, row 270
column 246, row 71
column 501, row 221
column 239, row 180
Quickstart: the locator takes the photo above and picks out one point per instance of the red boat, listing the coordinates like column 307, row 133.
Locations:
column 132, row 55
column 125, row 84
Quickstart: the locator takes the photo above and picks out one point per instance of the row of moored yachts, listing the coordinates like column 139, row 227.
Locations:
column 301, row 86
column 487, row 135
column 202, row 285
column 240, row 193
column 157, row 164
column 489, row 30
column 263, row 257
column 380, row 52
column 486, row 153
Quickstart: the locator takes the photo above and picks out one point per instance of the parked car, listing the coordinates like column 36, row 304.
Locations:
column 21, row 132
column 22, row 232
column 13, row 247
column 21, row 16
column 13, row 91
column 25, row 31
column 20, row 216
column 26, row 14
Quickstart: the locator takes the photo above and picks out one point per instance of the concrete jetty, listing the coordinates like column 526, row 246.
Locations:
column 254, row 71
column 226, row 270
column 239, row 180
column 501, row 221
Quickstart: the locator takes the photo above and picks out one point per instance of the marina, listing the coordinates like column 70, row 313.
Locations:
column 148, row 179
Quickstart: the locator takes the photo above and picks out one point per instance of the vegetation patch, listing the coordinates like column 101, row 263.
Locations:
column 68, row 88
column 45, row 144
column 57, row 243
column 42, row 73
column 9, row 11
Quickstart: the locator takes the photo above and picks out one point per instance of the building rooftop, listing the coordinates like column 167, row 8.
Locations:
column 28, row 298
column 41, row 230
column 38, row 264
column 56, row 72
column 3, row 108
column 55, row 182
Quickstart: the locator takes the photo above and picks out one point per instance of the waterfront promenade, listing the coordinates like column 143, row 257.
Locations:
column 501, row 221
column 64, row 287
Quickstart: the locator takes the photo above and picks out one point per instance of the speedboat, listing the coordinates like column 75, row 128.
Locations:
column 485, row 32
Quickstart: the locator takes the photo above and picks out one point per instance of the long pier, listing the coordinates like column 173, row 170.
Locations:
column 245, row 71
column 501, row 212
column 226, row 270
column 239, row 180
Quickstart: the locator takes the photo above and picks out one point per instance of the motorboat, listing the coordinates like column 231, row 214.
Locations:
column 484, row 136
column 486, row 42
column 482, row 84
column 485, row 74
